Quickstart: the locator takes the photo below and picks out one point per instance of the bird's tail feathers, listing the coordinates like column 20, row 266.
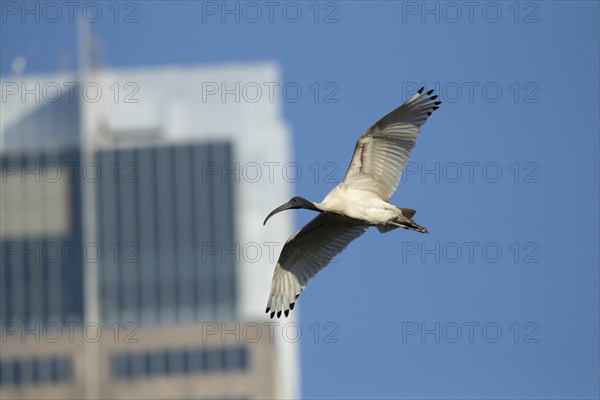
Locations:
column 403, row 221
column 412, row 225
column 408, row 212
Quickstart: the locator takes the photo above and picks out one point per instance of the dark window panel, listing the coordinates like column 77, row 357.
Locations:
column 179, row 362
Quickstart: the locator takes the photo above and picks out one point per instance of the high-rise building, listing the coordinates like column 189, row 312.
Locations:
column 133, row 260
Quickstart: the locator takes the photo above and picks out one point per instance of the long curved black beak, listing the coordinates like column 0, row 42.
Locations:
column 283, row 207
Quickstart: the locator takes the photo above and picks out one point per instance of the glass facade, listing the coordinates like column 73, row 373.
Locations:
column 41, row 276
column 152, row 211
column 36, row 371
column 203, row 360
column 157, row 216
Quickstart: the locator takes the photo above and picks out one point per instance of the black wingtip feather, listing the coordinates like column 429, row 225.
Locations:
column 435, row 108
column 292, row 306
column 428, row 93
column 286, row 312
column 272, row 314
column 437, row 103
column 421, row 90
column 429, row 113
column 278, row 313
column 433, row 97
column 268, row 308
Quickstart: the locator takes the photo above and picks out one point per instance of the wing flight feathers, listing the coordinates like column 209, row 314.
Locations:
column 383, row 150
column 304, row 254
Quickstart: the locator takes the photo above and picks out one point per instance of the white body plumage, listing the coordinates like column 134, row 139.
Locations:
column 359, row 201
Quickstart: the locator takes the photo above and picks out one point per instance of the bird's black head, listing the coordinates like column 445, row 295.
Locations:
column 295, row 202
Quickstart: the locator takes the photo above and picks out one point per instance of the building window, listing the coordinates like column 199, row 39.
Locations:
column 41, row 274
column 179, row 362
column 168, row 208
column 36, row 371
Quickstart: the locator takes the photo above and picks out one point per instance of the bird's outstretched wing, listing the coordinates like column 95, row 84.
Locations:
column 383, row 150
column 304, row 254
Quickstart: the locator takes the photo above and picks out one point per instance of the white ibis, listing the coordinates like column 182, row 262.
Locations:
column 358, row 202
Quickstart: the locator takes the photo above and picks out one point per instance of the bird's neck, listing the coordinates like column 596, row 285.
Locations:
column 314, row 206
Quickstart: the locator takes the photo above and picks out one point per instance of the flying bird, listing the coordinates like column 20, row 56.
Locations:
column 358, row 202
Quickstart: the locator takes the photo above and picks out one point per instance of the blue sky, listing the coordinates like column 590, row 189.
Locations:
column 516, row 149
